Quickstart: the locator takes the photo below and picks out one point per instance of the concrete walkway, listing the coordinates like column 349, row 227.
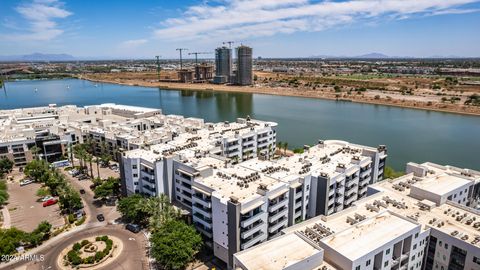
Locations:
column 7, row 222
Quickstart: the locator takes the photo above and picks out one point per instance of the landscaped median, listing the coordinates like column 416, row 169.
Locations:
column 94, row 252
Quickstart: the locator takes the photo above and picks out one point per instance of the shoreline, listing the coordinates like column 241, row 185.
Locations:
column 285, row 92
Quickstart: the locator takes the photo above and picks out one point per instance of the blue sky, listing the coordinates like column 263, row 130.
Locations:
column 274, row 28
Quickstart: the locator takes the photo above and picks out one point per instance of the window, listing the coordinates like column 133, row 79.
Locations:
column 476, row 260
column 135, row 175
column 413, row 258
column 387, row 252
column 415, row 246
column 357, row 268
column 416, row 235
column 134, row 167
column 385, row 264
column 446, row 245
column 368, row 263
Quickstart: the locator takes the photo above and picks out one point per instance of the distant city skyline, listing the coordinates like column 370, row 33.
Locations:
column 274, row 28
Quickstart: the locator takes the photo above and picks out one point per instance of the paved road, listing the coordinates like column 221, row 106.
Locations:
column 132, row 256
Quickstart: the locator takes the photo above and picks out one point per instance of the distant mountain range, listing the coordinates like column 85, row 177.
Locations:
column 376, row 55
column 38, row 57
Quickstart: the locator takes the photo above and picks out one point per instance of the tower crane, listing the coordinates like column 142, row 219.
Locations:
column 229, row 43
column 181, row 50
column 197, row 72
column 158, row 66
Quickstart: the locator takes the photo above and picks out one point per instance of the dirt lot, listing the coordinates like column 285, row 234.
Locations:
column 26, row 212
column 408, row 92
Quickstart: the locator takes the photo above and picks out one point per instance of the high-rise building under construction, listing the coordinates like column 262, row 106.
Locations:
column 223, row 65
column 244, row 75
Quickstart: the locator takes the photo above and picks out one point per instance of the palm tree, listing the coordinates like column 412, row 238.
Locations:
column 97, row 160
column 160, row 211
column 79, row 151
column 35, row 150
column 269, row 150
column 89, row 158
column 285, row 147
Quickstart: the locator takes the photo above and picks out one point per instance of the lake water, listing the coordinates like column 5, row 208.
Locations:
column 410, row 135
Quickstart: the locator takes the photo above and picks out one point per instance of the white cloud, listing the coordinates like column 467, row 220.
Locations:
column 133, row 43
column 41, row 16
column 241, row 19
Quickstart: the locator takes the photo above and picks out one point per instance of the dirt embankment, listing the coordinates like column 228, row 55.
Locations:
column 390, row 92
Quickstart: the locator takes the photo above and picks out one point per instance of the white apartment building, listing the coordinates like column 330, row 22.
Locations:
column 389, row 229
column 441, row 183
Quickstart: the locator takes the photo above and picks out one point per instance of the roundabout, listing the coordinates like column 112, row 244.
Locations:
column 129, row 253
column 90, row 253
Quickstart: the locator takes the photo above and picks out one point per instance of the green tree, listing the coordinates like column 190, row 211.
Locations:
column 35, row 150
column 42, row 192
column 36, row 169
column 108, row 188
column 3, row 193
column 131, row 209
column 69, row 199
column 159, row 210
column 6, row 166
column 389, row 172
column 175, row 244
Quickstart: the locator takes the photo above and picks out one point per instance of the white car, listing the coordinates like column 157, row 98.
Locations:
column 25, row 182
column 46, row 198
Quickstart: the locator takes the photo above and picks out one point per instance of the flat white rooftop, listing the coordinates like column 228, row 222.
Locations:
column 273, row 255
column 369, row 235
column 442, row 184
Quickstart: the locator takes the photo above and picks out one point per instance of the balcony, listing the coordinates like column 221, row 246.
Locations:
column 202, row 219
column 278, row 215
column 330, row 211
column 339, row 199
column 250, row 220
column 205, row 212
column 254, row 240
column 203, row 202
column 278, row 205
column 278, row 225
column 332, row 191
column 250, row 231
column 350, row 199
column 350, row 191
column 203, row 230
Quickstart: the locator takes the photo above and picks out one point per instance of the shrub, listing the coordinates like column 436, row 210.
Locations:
column 89, row 260
column 71, row 218
column 80, row 221
column 77, row 246
column 377, row 97
column 99, row 255
column 85, row 242
column 73, row 257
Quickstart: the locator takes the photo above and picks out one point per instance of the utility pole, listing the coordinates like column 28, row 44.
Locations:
column 181, row 50
column 158, row 67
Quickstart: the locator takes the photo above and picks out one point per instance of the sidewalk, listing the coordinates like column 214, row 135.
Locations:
column 7, row 222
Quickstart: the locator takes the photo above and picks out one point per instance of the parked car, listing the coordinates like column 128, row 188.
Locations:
column 135, row 228
column 73, row 172
column 46, row 198
column 110, row 201
column 50, row 202
column 100, row 217
column 82, row 191
column 25, row 182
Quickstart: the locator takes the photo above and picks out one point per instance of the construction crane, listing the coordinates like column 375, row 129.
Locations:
column 197, row 72
column 181, row 50
column 196, row 56
column 229, row 43
column 158, row 66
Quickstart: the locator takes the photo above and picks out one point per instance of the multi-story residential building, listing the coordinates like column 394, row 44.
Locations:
column 390, row 229
column 244, row 72
column 223, row 65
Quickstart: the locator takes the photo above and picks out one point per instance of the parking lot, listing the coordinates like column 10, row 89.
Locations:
column 26, row 211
